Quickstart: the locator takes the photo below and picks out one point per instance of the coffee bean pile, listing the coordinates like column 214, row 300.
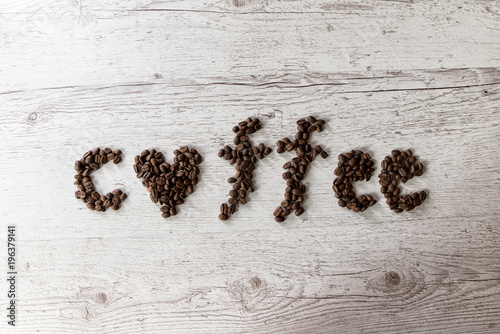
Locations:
column 400, row 166
column 353, row 166
column 297, row 167
column 168, row 184
column 90, row 162
column 245, row 156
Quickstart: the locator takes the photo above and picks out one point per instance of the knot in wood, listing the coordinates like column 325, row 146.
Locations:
column 392, row 279
column 101, row 298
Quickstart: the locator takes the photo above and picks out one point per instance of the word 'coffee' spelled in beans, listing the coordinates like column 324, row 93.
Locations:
column 168, row 184
column 297, row 167
column 353, row 166
column 400, row 166
column 245, row 156
column 90, row 162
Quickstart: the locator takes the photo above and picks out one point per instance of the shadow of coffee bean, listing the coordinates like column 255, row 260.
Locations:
column 169, row 184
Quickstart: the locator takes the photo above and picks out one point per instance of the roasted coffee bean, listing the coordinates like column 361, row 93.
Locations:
column 297, row 167
column 91, row 161
column 168, row 184
column 353, row 166
column 245, row 156
column 278, row 211
column 173, row 211
column 423, row 195
column 400, row 166
column 224, row 209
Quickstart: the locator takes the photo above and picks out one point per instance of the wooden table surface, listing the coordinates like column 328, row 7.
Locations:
column 140, row 74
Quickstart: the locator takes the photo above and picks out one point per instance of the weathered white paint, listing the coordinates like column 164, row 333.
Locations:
column 132, row 74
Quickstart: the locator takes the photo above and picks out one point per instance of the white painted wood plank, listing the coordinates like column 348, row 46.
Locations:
column 68, row 44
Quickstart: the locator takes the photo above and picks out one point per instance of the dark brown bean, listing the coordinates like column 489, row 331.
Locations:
column 278, row 211
column 423, row 195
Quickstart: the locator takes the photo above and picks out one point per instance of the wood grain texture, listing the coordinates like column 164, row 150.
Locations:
column 66, row 44
column 132, row 75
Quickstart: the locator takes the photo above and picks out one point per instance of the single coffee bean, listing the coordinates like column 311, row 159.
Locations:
column 423, row 195
column 224, row 209
column 173, row 211
column 278, row 211
column 396, row 153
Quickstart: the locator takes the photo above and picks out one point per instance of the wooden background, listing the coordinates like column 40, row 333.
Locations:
column 139, row 74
